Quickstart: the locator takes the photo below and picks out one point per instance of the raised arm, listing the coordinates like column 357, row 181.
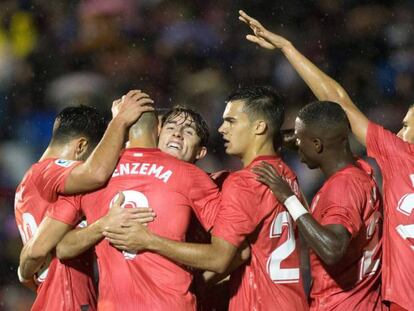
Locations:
column 323, row 86
column 97, row 169
column 329, row 242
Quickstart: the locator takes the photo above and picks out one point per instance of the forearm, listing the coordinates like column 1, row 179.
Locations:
column 29, row 264
column 200, row 256
column 242, row 256
column 325, row 243
column 79, row 240
column 98, row 168
column 323, row 86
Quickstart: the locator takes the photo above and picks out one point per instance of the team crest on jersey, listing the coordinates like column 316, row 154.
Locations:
column 64, row 163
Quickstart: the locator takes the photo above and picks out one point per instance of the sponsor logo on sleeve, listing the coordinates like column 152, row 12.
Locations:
column 64, row 163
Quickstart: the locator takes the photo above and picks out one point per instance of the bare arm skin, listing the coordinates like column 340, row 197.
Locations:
column 323, row 86
column 79, row 240
column 34, row 253
column 215, row 257
column 242, row 256
column 97, row 169
column 329, row 242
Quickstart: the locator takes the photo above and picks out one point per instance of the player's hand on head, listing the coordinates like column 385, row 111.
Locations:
column 267, row 175
column 131, row 106
column 262, row 36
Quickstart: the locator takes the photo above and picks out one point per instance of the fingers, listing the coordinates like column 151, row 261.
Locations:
column 263, row 174
column 114, row 232
column 249, row 20
column 116, row 102
column 254, row 39
column 270, row 168
column 142, row 215
column 145, row 103
column 119, row 200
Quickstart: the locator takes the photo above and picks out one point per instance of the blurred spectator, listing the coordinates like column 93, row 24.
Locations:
column 59, row 53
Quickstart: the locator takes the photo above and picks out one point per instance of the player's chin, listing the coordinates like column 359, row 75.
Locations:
column 175, row 153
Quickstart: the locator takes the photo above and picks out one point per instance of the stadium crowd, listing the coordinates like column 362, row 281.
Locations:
column 57, row 54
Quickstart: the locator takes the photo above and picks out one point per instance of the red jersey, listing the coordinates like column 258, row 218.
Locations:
column 349, row 198
column 396, row 160
column 173, row 189
column 249, row 211
column 65, row 285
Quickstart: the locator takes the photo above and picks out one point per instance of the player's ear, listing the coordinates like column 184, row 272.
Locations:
column 81, row 148
column 318, row 145
column 201, row 153
column 260, row 127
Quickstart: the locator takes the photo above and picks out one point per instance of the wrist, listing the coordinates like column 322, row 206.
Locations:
column 118, row 122
column 99, row 225
column 287, row 47
column 295, row 207
column 152, row 243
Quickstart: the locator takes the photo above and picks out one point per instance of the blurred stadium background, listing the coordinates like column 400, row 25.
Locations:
column 59, row 53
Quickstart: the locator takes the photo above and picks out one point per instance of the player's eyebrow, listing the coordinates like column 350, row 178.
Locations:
column 229, row 119
column 191, row 124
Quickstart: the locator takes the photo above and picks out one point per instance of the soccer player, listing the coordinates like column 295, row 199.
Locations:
column 343, row 230
column 76, row 132
column 173, row 189
column 394, row 155
column 249, row 211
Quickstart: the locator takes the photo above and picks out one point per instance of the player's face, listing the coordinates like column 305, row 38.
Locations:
column 306, row 148
column 407, row 131
column 237, row 130
column 178, row 137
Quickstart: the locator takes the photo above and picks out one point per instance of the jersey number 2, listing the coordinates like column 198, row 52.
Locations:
column 282, row 223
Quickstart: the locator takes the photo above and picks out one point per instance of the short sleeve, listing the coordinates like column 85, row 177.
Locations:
column 204, row 196
column 51, row 181
column 385, row 146
column 66, row 209
column 338, row 208
column 239, row 213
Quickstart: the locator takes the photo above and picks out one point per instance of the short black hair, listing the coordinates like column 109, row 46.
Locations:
column 261, row 101
column 76, row 121
column 325, row 116
column 201, row 126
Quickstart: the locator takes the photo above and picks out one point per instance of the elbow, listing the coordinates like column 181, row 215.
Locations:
column 60, row 252
column 100, row 177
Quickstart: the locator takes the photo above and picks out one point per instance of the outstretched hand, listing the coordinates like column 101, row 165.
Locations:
column 267, row 175
column 262, row 36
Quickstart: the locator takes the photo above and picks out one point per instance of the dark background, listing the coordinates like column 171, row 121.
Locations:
column 59, row 53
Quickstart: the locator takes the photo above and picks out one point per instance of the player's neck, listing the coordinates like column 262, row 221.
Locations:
column 54, row 151
column 258, row 149
column 142, row 142
column 335, row 164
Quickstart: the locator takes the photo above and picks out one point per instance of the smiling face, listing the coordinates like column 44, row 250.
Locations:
column 407, row 131
column 237, row 130
column 178, row 137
